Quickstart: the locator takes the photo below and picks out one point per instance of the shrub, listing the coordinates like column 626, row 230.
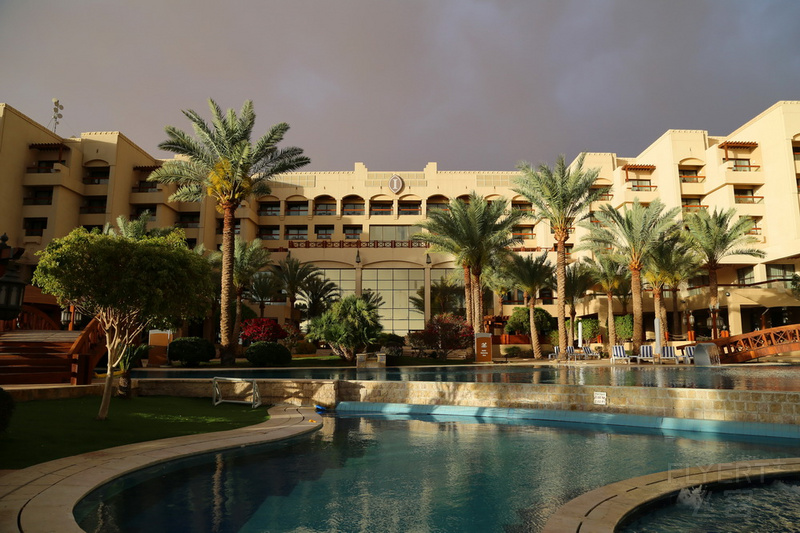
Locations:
column 623, row 326
column 191, row 351
column 443, row 334
column 6, row 409
column 268, row 354
column 293, row 336
column 305, row 347
column 262, row 330
column 520, row 321
column 591, row 329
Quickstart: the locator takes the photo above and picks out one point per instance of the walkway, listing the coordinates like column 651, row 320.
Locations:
column 40, row 499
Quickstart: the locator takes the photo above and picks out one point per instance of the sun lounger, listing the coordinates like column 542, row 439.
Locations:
column 688, row 355
column 587, row 352
column 554, row 355
column 571, row 353
column 618, row 354
column 668, row 354
column 645, row 354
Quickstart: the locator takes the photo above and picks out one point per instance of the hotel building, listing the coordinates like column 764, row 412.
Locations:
column 357, row 225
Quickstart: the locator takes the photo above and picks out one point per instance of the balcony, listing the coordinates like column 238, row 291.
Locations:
column 693, row 208
column 746, row 199
column 691, row 179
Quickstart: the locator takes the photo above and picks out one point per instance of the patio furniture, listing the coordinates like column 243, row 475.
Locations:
column 618, row 354
column 556, row 350
column 668, row 354
column 571, row 353
column 645, row 354
column 688, row 355
column 587, row 352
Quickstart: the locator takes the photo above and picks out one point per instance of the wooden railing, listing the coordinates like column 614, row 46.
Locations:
column 30, row 318
column 86, row 352
column 772, row 341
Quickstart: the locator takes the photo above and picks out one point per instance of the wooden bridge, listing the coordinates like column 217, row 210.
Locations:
column 748, row 346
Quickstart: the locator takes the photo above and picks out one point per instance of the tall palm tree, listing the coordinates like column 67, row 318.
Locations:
column 629, row 236
column 609, row 275
column 562, row 196
column 578, row 282
column 292, row 275
column 263, row 289
column 221, row 162
column 531, row 274
column 718, row 235
column 248, row 259
column 478, row 234
column 318, row 294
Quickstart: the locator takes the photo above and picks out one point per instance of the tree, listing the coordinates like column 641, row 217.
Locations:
column 629, row 236
column 292, row 276
column 446, row 297
column 127, row 284
column 717, row 235
column 222, row 163
column 350, row 325
column 136, row 228
column 478, row 234
column 609, row 275
column 443, row 334
column 531, row 274
column 562, row 196
column 248, row 259
column 318, row 295
column 264, row 288
column 578, row 282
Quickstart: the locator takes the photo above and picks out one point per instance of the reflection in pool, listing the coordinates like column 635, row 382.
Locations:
column 399, row 474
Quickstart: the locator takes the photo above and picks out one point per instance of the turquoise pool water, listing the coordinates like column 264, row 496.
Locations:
column 395, row 473
column 774, row 377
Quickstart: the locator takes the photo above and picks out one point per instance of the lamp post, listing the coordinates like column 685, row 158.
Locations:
column 69, row 317
column 713, row 309
column 689, row 317
column 12, row 287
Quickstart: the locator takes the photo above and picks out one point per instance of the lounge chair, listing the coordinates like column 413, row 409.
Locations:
column 587, row 352
column 668, row 354
column 645, row 354
column 554, row 355
column 688, row 355
column 571, row 353
column 618, row 354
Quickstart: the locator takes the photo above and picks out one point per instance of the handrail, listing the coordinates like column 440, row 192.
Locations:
column 30, row 318
column 86, row 352
column 740, row 348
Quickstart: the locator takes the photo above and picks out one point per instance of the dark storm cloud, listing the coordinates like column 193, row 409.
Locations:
column 395, row 84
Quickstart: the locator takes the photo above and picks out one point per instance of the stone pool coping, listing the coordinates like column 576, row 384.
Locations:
column 41, row 498
column 603, row 509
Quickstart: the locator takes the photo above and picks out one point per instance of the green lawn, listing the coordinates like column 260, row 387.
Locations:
column 49, row 429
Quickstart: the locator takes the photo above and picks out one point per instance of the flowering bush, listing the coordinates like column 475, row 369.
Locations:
column 262, row 330
column 443, row 334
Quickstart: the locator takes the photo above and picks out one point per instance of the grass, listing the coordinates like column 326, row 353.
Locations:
column 50, row 429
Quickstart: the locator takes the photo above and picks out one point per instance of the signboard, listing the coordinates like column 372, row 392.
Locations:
column 483, row 347
column 600, row 398
column 396, row 184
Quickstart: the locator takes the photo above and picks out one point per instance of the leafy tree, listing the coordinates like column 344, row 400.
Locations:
column 222, row 163
column 629, row 236
column 127, row 284
column 318, row 294
column 292, row 277
column 520, row 320
column 531, row 274
column 624, row 326
column 264, row 288
column 373, row 299
column 562, row 196
column 263, row 330
column 350, row 325
column 136, row 228
column 478, row 234
column 590, row 328
column 718, row 235
column 443, row 333
column 446, row 297
column 248, row 259
column 609, row 275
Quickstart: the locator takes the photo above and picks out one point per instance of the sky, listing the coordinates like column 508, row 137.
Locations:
column 470, row 84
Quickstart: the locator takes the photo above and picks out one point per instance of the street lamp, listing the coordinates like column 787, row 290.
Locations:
column 12, row 287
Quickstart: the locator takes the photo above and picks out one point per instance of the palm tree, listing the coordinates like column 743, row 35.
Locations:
column 609, row 275
column 629, row 236
column 318, row 295
column 248, row 259
column 578, row 282
column 222, row 163
column 530, row 274
column 446, row 297
column 478, row 234
column 718, row 235
column 292, row 276
column 562, row 196
column 264, row 288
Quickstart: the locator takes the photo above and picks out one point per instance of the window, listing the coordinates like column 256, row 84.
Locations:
column 523, row 232
column 191, row 243
column 740, row 165
column 236, row 226
column 323, row 232
column 409, row 208
column 352, row 232
column 779, row 271
column 437, row 206
column 746, row 196
column 45, row 166
column 145, row 186
column 745, row 276
column 34, row 226
column 140, row 209
column 380, row 208
column 796, row 152
column 642, row 185
column 525, row 207
column 325, row 207
column 93, row 205
column 353, row 208
column 269, row 233
column 38, row 196
column 189, row 220
column 392, row 233
column 396, row 286
column 96, row 175
column 296, row 209
column 269, row 209
column 296, row 233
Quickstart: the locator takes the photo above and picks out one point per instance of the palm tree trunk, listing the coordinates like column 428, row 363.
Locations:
column 535, row 346
column 477, row 302
column 572, row 326
column 237, row 323
column 657, row 306
column 468, row 297
column 636, row 290
column 227, row 354
column 676, row 313
column 561, row 289
column 612, row 329
column 713, row 287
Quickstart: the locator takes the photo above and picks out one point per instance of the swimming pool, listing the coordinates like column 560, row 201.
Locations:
column 399, row 473
column 772, row 377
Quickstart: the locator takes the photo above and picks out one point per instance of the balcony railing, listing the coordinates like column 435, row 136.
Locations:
column 354, row 211
column 641, row 187
column 187, row 224
column 745, row 199
column 606, row 197
column 92, row 209
column 754, row 231
column 38, row 201
column 524, row 235
column 379, row 211
column 693, row 208
column 692, row 179
column 269, row 212
column 410, row 210
column 321, row 211
column 95, row 181
column 145, row 187
column 34, row 232
column 745, row 168
column 358, row 244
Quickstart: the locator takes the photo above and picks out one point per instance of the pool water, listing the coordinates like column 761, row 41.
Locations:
column 773, row 506
column 771, row 377
column 372, row 473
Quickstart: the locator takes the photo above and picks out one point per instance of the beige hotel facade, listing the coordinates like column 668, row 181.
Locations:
column 357, row 224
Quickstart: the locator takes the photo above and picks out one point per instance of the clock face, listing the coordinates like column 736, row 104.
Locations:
column 396, row 184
